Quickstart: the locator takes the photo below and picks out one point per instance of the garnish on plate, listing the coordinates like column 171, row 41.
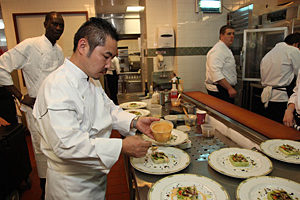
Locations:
column 238, row 160
column 289, row 150
column 159, row 157
column 185, row 193
column 279, row 195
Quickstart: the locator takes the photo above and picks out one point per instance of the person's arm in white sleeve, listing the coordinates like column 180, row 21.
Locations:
column 288, row 118
column 11, row 60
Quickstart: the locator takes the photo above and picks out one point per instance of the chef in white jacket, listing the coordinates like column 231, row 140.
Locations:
column 221, row 76
column 278, row 70
column 75, row 118
column 37, row 57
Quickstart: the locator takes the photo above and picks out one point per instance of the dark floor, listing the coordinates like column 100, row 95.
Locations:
column 117, row 187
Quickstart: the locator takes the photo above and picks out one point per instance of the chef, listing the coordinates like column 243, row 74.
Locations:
column 37, row 57
column 221, row 75
column 76, row 118
column 278, row 70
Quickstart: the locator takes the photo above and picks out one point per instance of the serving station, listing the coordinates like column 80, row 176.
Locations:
column 237, row 131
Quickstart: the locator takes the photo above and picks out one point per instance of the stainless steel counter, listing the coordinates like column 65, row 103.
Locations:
column 201, row 148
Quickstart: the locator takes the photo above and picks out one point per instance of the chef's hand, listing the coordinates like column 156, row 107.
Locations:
column 288, row 118
column 3, row 122
column 143, row 125
column 232, row 92
column 29, row 101
column 135, row 146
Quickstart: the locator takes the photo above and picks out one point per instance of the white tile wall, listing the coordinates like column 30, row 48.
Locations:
column 191, row 30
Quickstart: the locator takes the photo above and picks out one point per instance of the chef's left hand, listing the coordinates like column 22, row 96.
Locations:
column 143, row 125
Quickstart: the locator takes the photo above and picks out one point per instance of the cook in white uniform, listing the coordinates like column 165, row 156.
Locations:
column 37, row 57
column 75, row 118
column 278, row 68
column 221, row 76
column 292, row 113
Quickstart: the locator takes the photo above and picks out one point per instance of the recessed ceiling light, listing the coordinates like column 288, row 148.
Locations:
column 134, row 8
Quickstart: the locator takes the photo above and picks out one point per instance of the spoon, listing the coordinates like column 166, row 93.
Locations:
column 186, row 114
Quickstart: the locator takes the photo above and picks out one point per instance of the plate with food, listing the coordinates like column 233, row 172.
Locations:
column 139, row 112
column 268, row 188
column 162, row 160
column 240, row 163
column 177, row 137
column 187, row 186
column 283, row 150
column 133, row 105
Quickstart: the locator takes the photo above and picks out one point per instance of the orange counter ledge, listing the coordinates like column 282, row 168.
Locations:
column 263, row 125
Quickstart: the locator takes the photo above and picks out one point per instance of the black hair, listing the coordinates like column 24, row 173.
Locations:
column 49, row 14
column 95, row 30
column 224, row 28
column 292, row 38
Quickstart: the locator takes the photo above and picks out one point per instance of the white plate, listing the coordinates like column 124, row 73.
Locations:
column 258, row 187
column 270, row 147
column 142, row 112
column 207, row 187
column 183, row 128
column 133, row 105
column 177, row 137
column 259, row 164
column 178, row 160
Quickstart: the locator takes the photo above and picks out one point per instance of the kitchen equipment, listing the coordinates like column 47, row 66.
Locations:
column 207, row 130
column 200, row 117
column 190, row 120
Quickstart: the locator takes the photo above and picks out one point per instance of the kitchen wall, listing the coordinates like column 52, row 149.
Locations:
column 9, row 7
column 195, row 34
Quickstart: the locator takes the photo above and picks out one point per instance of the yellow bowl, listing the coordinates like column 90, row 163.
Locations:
column 161, row 130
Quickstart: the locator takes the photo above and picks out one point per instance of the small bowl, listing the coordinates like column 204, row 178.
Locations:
column 161, row 130
column 207, row 130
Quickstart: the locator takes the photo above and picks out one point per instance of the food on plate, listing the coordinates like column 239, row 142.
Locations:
column 133, row 105
column 159, row 157
column 288, row 150
column 279, row 195
column 238, row 160
column 185, row 193
column 135, row 112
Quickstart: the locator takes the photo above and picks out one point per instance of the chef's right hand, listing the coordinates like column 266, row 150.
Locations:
column 232, row 92
column 135, row 146
column 288, row 118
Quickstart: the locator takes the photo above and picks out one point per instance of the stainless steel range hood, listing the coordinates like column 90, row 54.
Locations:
column 114, row 11
column 126, row 24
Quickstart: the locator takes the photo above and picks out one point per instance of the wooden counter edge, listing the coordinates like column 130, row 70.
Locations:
column 262, row 125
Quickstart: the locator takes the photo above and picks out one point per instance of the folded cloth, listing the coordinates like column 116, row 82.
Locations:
column 266, row 95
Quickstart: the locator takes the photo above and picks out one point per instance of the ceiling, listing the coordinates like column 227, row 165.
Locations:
column 113, row 6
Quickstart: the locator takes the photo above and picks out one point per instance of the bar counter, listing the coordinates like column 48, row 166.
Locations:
column 250, row 137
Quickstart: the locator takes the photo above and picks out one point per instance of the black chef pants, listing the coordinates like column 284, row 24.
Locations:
column 221, row 94
column 276, row 110
column 7, row 106
column 111, row 84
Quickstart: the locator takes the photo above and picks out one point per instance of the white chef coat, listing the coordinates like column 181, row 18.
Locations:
column 76, row 118
column 220, row 64
column 278, row 68
column 115, row 65
column 37, row 58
